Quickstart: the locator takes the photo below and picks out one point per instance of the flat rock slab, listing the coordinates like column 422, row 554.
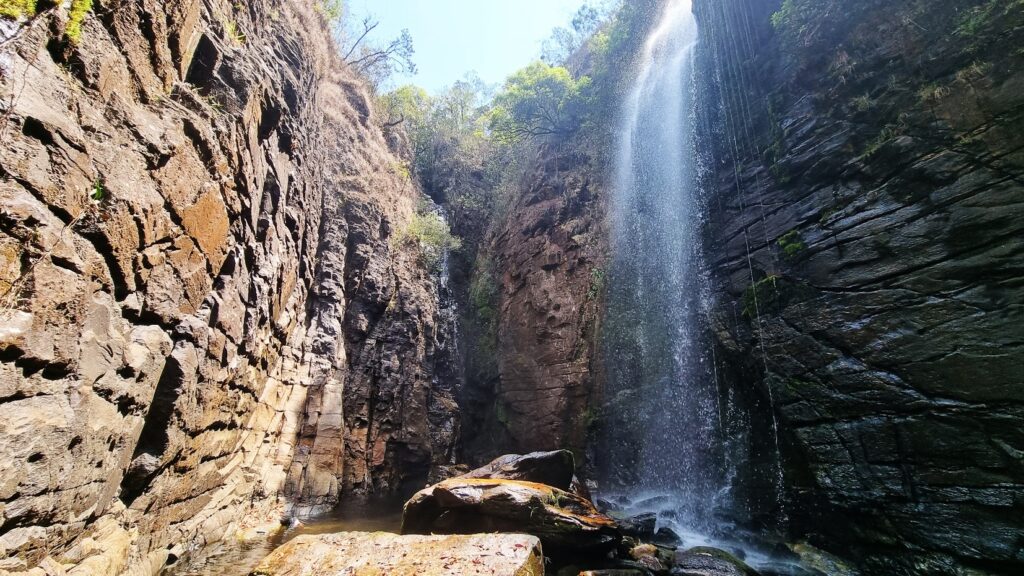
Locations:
column 383, row 554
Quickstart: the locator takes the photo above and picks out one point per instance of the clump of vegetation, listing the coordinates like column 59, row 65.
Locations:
column 17, row 8
column 886, row 135
column 792, row 243
column 598, row 279
column 76, row 17
column 862, row 103
column 976, row 20
column 933, row 93
column 233, row 33
column 760, row 297
column 483, row 297
column 431, row 234
column 332, row 10
column 98, row 192
column 975, row 72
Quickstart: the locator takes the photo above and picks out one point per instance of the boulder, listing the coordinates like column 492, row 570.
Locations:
column 552, row 468
column 640, row 526
column 707, row 561
column 562, row 520
column 366, row 554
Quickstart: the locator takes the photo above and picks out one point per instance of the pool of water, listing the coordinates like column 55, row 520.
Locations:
column 241, row 558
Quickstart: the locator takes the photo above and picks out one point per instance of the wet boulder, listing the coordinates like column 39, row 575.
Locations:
column 562, row 520
column 552, row 468
column 707, row 561
column 641, row 526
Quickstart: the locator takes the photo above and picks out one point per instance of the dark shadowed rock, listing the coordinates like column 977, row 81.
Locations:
column 639, row 526
column 554, row 468
column 705, row 561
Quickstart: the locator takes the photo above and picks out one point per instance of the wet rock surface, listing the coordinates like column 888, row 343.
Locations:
column 709, row 562
column 366, row 554
column 202, row 312
column 866, row 237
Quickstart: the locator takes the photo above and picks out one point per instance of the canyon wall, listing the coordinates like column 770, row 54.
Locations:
column 206, row 318
column 547, row 262
column 866, row 197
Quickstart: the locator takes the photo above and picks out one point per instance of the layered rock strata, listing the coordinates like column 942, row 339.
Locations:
column 867, row 234
column 204, row 313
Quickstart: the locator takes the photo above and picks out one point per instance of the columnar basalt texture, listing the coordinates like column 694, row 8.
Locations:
column 547, row 255
column 867, row 236
column 204, row 313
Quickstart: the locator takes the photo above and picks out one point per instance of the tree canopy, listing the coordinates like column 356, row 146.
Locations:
column 539, row 100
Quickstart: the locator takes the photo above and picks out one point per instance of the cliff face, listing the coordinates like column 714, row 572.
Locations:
column 204, row 314
column 867, row 235
column 545, row 262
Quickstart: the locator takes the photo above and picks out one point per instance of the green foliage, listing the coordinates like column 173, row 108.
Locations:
column 483, row 296
column 760, row 296
column 233, row 33
column 792, row 243
column 98, row 192
column 888, row 134
column 814, row 27
column 539, row 100
column 565, row 42
column 332, row 10
column 862, row 103
column 977, row 20
column 975, row 72
column 933, row 93
column 17, row 8
column 598, row 278
column 76, row 17
column 432, row 235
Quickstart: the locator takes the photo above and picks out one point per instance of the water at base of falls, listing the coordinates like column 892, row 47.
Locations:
column 663, row 441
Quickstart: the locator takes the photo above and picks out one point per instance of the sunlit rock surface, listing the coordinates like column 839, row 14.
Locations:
column 379, row 554
column 202, row 313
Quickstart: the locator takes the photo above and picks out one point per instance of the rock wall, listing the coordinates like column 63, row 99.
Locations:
column 204, row 314
column 867, row 234
column 546, row 255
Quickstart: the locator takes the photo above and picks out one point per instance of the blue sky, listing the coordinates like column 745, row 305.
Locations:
column 452, row 37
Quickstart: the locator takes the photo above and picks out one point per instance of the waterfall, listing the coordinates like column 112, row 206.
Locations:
column 662, row 434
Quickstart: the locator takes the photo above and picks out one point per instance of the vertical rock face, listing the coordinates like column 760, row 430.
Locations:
column 867, row 231
column 203, row 313
column 547, row 258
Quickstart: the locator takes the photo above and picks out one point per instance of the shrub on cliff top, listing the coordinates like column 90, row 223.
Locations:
column 17, row 8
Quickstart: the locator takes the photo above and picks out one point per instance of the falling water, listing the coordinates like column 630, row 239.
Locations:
column 663, row 430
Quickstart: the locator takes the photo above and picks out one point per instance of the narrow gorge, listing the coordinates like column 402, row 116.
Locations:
column 714, row 287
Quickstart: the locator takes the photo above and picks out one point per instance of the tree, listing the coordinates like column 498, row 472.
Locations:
column 539, row 100
column 375, row 61
column 566, row 41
